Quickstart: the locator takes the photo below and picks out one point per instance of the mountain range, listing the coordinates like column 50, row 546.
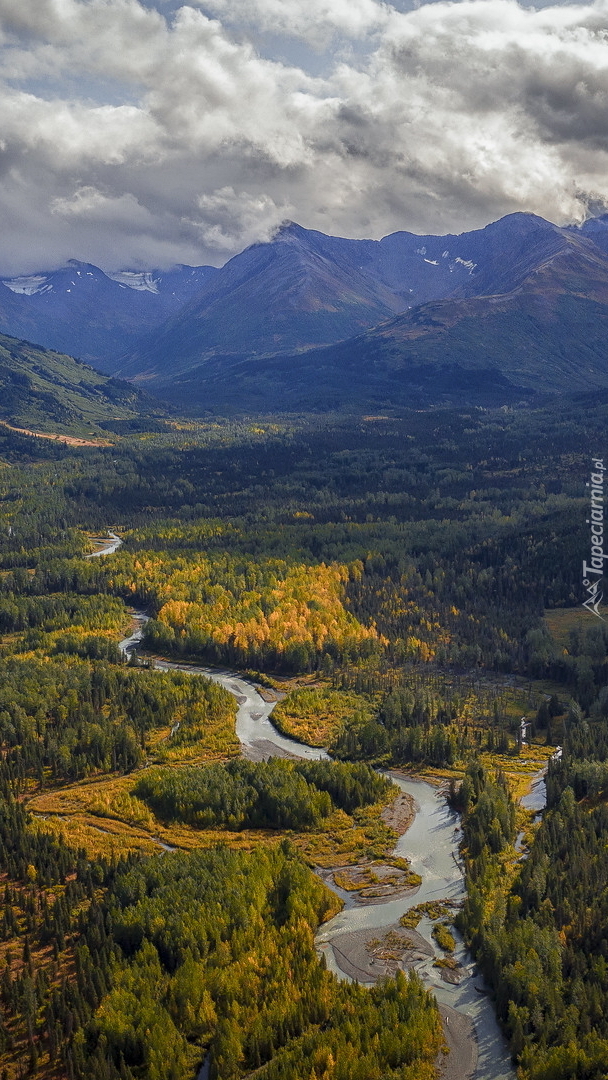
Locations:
column 493, row 316
column 96, row 317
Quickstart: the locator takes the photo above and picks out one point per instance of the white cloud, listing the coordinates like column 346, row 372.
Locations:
column 91, row 205
column 230, row 218
column 72, row 135
column 437, row 119
column 315, row 22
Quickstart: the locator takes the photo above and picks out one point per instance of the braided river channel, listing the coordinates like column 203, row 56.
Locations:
column 478, row 1049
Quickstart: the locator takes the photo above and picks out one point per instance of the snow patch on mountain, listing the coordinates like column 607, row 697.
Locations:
column 141, row 281
column 467, row 263
column 27, row 285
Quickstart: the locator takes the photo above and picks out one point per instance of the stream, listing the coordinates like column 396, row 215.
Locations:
column 110, row 545
column 536, row 799
column 431, row 844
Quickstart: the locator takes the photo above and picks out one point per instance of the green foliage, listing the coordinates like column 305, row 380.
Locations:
column 59, row 611
column 540, row 943
column 489, row 811
column 70, row 719
column 50, row 391
column 259, row 795
column 411, row 726
column 217, row 936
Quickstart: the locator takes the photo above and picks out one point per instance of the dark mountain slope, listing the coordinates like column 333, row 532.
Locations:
column 490, row 260
column 299, row 290
column 82, row 311
column 304, row 288
column 548, row 335
column 521, row 296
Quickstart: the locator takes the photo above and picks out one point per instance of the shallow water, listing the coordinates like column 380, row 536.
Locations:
column 536, row 799
column 430, row 844
column 109, row 548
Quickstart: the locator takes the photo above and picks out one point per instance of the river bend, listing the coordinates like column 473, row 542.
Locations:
column 431, row 844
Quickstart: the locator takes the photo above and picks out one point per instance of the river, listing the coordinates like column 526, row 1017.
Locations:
column 258, row 737
column 430, row 844
column 110, row 545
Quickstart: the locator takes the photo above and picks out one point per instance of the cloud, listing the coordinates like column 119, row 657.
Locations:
column 68, row 136
column 315, row 22
column 436, row 119
column 229, row 218
column 90, row 204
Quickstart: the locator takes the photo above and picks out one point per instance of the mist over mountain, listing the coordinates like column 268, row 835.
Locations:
column 596, row 229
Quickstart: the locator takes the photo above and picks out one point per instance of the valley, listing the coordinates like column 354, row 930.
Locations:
column 303, row 605
column 440, row 880
column 403, row 588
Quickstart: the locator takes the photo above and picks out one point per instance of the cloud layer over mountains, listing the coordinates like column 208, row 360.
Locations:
column 137, row 133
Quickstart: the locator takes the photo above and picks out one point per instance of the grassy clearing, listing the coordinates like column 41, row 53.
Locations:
column 316, row 716
column 520, row 770
column 346, row 841
column 362, row 879
column 104, row 817
column 560, row 621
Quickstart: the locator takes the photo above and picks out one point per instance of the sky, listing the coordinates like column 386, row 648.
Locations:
column 142, row 133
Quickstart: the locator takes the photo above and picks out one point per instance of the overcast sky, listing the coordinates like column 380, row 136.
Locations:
column 140, row 133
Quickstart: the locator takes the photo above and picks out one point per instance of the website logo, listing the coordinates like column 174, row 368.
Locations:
column 593, row 571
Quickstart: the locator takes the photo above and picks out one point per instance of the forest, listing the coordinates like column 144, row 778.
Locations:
column 410, row 586
column 539, row 935
column 275, row 794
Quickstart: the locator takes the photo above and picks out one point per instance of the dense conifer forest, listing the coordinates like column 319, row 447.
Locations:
column 413, row 584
